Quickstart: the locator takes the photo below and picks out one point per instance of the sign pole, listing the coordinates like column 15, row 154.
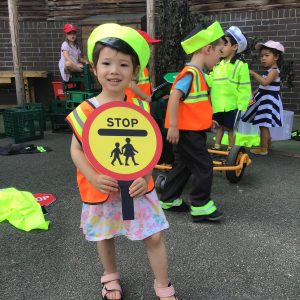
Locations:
column 127, row 201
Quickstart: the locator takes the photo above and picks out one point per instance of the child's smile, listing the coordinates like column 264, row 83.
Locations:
column 114, row 70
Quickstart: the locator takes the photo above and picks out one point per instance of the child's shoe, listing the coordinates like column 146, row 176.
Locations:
column 259, row 151
column 216, row 216
column 178, row 205
column 165, row 292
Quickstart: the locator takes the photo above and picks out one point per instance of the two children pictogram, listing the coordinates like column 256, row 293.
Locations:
column 127, row 150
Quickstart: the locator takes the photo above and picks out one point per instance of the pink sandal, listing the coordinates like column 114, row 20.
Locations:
column 165, row 292
column 109, row 286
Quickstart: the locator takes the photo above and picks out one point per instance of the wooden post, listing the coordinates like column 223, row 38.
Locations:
column 151, row 32
column 14, row 33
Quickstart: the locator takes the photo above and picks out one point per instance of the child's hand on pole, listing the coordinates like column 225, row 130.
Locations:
column 105, row 184
column 138, row 188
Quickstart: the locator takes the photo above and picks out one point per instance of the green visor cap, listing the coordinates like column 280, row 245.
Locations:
column 202, row 38
column 127, row 34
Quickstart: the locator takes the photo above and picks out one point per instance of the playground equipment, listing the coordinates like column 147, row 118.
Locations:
column 233, row 163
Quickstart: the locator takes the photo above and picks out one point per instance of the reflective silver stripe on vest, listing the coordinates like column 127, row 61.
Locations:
column 235, row 69
column 146, row 80
column 196, row 95
column 220, row 79
column 79, row 121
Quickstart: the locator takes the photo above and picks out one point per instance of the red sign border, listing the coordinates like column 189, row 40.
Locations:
column 97, row 165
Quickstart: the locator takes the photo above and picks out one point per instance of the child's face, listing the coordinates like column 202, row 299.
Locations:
column 114, row 70
column 213, row 54
column 228, row 50
column 268, row 59
column 71, row 36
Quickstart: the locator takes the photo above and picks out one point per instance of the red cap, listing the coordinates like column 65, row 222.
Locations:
column 69, row 28
column 147, row 37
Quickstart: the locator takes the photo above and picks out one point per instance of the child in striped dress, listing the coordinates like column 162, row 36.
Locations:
column 265, row 110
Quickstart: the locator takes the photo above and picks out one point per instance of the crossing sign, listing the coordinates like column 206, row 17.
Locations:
column 122, row 140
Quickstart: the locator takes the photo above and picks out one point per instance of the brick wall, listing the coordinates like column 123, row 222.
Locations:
column 40, row 50
column 41, row 41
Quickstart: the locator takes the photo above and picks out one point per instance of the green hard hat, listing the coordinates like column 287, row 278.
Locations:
column 108, row 33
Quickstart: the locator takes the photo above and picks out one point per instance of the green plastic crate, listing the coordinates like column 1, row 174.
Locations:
column 58, row 107
column 24, row 124
column 2, row 132
column 77, row 96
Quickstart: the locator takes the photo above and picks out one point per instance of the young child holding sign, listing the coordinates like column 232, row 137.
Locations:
column 117, row 52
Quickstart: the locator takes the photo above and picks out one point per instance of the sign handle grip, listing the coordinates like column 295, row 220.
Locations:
column 127, row 200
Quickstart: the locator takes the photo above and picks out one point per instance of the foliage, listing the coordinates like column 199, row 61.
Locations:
column 287, row 73
column 175, row 22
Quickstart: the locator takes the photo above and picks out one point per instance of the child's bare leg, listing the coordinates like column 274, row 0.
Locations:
column 231, row 137
column 107, row 254
column 157, row 255
column 72, row 67
column 264, row 137
column 219, row 135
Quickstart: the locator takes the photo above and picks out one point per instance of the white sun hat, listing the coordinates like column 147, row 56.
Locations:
column 237, row 34
column 270, row 44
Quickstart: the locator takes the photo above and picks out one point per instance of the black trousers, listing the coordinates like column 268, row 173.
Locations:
column 191, row 157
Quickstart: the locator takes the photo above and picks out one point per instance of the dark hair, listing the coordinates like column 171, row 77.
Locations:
column 275, row 52
column 237, row 56
column 99, row 46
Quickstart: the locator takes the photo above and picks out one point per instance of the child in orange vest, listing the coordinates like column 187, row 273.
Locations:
column 116, row 53
column 189, row 115
column 142, row 88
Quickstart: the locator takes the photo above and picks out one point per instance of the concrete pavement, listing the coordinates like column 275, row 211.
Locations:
column 252, row 254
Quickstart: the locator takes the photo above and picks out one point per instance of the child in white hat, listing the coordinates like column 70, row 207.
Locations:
column 266, row 109
column 230, row 85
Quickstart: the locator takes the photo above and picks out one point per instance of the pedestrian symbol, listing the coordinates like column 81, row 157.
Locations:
column 122, row 140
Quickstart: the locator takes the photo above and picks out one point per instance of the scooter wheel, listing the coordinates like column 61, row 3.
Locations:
column 233, row 159
column 160, row 183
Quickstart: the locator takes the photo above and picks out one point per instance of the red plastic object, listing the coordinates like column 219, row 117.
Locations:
column 58, row 90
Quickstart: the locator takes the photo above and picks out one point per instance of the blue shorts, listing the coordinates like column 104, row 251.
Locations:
column 225, row 118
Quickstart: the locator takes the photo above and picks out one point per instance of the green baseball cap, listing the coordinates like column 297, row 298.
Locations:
column 110, row 32
column 202, row 38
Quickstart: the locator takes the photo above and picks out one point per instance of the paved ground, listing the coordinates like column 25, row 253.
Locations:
column 252, row 254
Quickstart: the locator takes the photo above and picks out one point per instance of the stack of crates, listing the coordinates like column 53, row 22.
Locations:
column 83, row 88
column 24, row 123
column 79, row 88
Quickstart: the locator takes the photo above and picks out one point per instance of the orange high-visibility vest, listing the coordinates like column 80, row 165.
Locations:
column 89, row 194
column 194, row 110
column 144, row 84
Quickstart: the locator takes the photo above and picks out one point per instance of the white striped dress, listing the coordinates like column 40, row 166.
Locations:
column 267, row 111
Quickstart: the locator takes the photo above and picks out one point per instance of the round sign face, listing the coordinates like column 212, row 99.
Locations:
column 121, row 140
